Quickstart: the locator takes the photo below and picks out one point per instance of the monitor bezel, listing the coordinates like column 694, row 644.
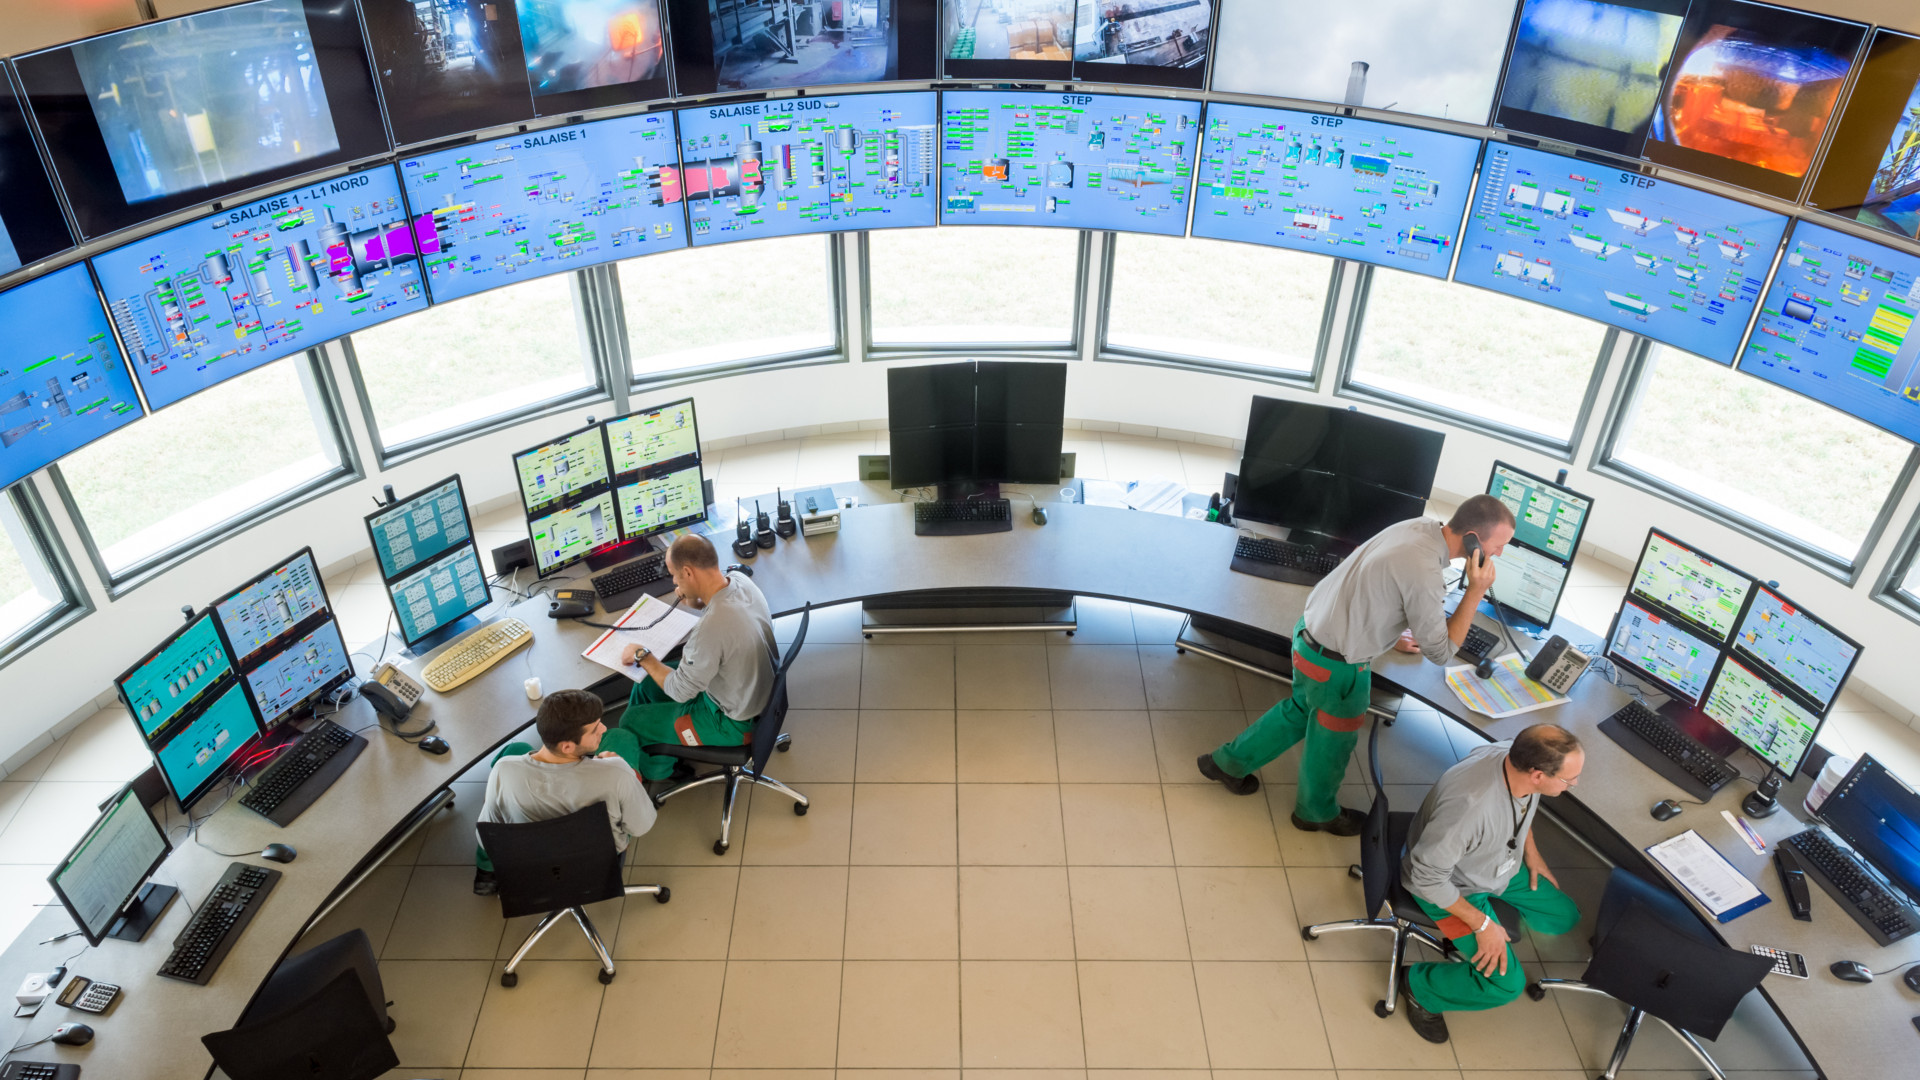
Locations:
column 698, row 467
column 400, row 625
column 282, row 640
column 1866, row 758
column 188, row 800
column 1759, row 671
column 1665, row 687
column 1579, row 534
column 396, row 504
column 115, row 804
column 1722, row 643
column 45, row 222
column 319, row 693
column 606, row 433
column 1803, row 696
column 232, row 672
column 578, row 495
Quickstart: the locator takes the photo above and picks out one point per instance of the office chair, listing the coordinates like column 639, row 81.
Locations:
column 1382, row 843
column 557, row 867
column 748, row 762
column 333, row 1033
column 1652, row 954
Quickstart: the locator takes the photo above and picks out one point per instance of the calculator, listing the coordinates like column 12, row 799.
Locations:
column 88, row 996
column 1790, row 964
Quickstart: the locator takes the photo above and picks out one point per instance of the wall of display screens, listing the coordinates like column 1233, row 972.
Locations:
column 62, row 383
column 1161, row 44
column 734, row 46
column 1871, row 172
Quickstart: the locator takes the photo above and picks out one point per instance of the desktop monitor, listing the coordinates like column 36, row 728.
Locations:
column 1878, row 814
column 1589, row 72
column 1549, row 520
column 1334, row 185
column 194, row 752
column 32, row 227
column 62, row 382
column 412, row 530
column 521, row 206
column 232, row 291
column 731, row 47
column 103, row 876
column 439, row 592
column 976, row 422
column 300, row 675
column 1802, row 651
column 1663, row 650
column 562, row 470
column 659, row 477
column 660, row 503
column 1759, row 712
column 1690, row 586
column 1871, row 170
column 175, row 676
column 1651, row 257
column 1332, row 476
column 263, row 614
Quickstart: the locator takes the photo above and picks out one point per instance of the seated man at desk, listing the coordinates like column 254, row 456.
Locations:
column 1471, row 834
column 1387, row 594
column 579, row 762
column 725, row 673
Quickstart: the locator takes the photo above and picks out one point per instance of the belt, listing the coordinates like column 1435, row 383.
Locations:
column 1322, row 649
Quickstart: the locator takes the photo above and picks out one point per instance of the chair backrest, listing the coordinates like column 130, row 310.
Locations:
column 333, row 1035
column 1652, row 963
column 558, row 863
column 1379, row 851
column 766, row 728
column 799, row 638
column 301, row 975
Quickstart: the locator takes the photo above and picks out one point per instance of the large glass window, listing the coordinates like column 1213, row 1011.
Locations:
column 1754, row 451
column 748, row 300
column 965, row 286
column 31, row 591
column 453, row 365
column 209, row 462
column 1510, row 363
column 1250, row 306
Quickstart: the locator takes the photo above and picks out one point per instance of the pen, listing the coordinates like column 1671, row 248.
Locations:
column 1753, row 838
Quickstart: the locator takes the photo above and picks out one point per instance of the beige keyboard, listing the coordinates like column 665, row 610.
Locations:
column 475, row 652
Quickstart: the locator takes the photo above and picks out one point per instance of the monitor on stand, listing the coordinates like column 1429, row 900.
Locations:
column 1878, row 814
column 1549, row 520
column 103, row 882
column 1332, row 477
column 568, row 499
column 286, row 644
column 659, row 476
column 969, row 427
column 428, row 562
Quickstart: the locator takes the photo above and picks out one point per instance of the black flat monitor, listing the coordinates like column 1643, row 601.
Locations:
column 1878, row 814
column 659, row 473
column 976, row 422
column 1332, row 477
column 1803, row 652
column 32, row 227
column 1663, row 650
column 1755, row 708
column 103, row 881
column 176, row 675
column 431, row 602
column 195, row 751
column 565, row 490
column 1690, row 587
column 1549, row 520
column 286, row 644
column 416, row 529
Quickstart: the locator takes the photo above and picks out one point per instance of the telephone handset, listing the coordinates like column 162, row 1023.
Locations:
column 391, row 692
column 1470, row 546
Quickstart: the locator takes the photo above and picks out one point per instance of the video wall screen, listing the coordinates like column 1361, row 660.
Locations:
column 1590, row 71
column 725, row 46
column 1160, row 43
column 1871, row 172
column 62, row 384
column 166, row 115
column 31, row 224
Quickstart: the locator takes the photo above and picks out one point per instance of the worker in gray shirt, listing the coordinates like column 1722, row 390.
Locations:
column 1467, row 846
column 1385, row 595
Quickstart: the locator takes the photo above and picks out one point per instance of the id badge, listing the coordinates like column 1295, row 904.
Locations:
column 1506, row 868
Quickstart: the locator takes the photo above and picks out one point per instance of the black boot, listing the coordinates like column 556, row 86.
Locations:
column 1430, row 1026
column 1346, row 823
column 1239, row 785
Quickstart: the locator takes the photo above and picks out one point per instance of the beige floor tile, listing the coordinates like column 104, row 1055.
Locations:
column 1212, row 827
column 776, row 835
column 106, row 746
column 1127, row 913
column 900, row 1014
column 1181, row 736
column 1096, row 677
column 1239, row 913
column 897, row 1074
column 826, row 676
column 1141, row 1015
column 903, row 913
column 441, row 919
column 836, row 624
column 1020, row 1015
column 1024, row 1074
column 779, row 1015
column 1415, row 750
column 1002, row 677
column 1298, row 848
column 371, row 907
column 688, row 824
column 694, row 924
column 1015, row 913
column 1011, row 825
column 770, row 1074
column 659, row 1014
column 1115, row 825
column 904, row 825
column 1288, row 1074
column 547, row 1021
column 1259, row 693
column 24, row 892
column 1102, row 622
column 1485, row 1040
column 1361, row 1040
column 1105, row 747
column 1184, row 680
column 905, row 746
column 563, row 940
column 435, row 1005
column 37, row 765
column 1325, row 894
column 822, row 749
column 1399, row 1074
column 13, row 796
column 907, row 677
column 1532, row 1074
column 1261, row 1016
column 450, row 839
column 52, row 818
column 772, row 464
column 1013, row 746
column 790, row 913
column 521, row 1074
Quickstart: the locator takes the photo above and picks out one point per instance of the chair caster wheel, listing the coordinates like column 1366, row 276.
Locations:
column 719, row 847
column 1536, row 991
column 1380, row 1009
column 1354, row 873
column 1178, row 651
column 1069, row 633
column 665, row 894
column 509, row 979
column 1307, row 934
column 606, row 977
column 783, row 747
column 869, row 637
column 799, row 809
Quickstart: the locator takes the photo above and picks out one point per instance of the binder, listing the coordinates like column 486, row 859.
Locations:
column 1705, row 875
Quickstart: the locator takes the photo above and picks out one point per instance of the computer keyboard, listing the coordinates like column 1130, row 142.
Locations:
column 962, row 517
column 475, row 652
column 618, row 584
column 1665, row 744
column 219, row 922
column 1281, row 561
column 1479, row 644
column 1884, row 916
column 302, row 772
column 39, row 1070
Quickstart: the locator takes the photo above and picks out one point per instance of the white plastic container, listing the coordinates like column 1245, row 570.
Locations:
column 1835, row 771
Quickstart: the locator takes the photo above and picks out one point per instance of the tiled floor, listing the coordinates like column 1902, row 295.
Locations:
column 1010, row 867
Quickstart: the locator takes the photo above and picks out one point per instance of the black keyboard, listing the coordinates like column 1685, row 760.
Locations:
column 1479, row 644
column 218, row 922
column 962, row 517
column 302, row 772
column 1669, row 751
column 618, row 586
column 39, row 1070
column 1280, row 561
column 1884, row 916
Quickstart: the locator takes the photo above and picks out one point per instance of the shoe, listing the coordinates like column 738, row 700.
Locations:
column 1239, row 785
column 1430, row 1026
column 484, row 884
column 1349, row 823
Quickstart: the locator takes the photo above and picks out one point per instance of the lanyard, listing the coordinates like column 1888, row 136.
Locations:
column 1519, row 817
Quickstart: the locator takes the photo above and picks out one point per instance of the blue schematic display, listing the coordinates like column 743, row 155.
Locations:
column 419, row 528
column 220, row 296
column 439, row 593
column 1663, row 650
column 807, row 165
column 184, row 669
column 62, row 384
column 191, row 758
column 1334, row 185
column 261, row 612
column 1838, row 326
column 1076, row 161
column 521, row 207
column 289, row 678
column 1795, row 645
column 1648, row 256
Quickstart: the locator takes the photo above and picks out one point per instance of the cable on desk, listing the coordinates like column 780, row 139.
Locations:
column 1908, row 964
column 616, row 626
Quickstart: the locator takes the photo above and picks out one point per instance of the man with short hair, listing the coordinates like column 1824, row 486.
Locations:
column 725, row 673
column 1466, row 847
column 1387, row 594
column 580, row 761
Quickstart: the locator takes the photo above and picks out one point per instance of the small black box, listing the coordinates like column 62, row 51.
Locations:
column 512, row 557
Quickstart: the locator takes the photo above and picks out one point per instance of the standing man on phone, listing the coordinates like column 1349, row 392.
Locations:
column 1387, row 594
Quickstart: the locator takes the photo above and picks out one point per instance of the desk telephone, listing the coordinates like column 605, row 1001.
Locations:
column 392, row 692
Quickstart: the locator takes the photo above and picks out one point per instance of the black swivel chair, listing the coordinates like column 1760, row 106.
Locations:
column 322, row 1014
column 748, row 762
column 1382, row 844
column 1654, row 955
column 557, row 867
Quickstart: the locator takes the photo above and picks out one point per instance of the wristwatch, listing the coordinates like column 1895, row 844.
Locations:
column 641, row 655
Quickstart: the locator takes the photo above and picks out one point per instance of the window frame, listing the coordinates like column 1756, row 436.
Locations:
column 1886, row 591
column 1036, row 350
column 1124, row 354
column 75, row 603
column 326, row 397
column 1345, row 387
column 1604, row 462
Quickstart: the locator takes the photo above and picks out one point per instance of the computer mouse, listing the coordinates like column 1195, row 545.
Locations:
column 1665, row 810
column 72, row 1035
column 1912, row 979
column 747, row 570
column 278, row 853
column 1039, row 515
column 1484, row 669
column 1851, row 970
column 434, row 744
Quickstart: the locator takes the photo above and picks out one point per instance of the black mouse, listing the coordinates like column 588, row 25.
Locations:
column 72, row 1035
column 1039, row 515
column 747, row 570
column 278, row 853
column 434, row 744
column 1484, row 668
column 1912, row 979
column 1851, row 970
column 1665, row 810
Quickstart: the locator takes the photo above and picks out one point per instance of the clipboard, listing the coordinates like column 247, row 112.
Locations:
column 1715, row 884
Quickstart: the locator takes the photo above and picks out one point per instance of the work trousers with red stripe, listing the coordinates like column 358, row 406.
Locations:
column 1328, row 705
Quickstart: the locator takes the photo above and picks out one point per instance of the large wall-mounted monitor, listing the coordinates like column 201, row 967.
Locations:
column 807, row 165
column 1871, row 170
column 1074, row 161
column 1027, row 40
column 32, row 226
column 1414, row 56
column 1590, row 71
column 418, row 528
column 214, row 298
column 1153, row 44
column 1750, row 93
column 1649, row 256
column 519, row 207
column 166, row 115
column 1334, row 185
column 1838, row 326
column 727, row 46
column 62, row 383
